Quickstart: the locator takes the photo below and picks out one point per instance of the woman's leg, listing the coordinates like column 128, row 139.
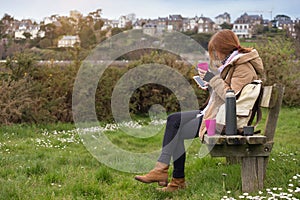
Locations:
column 177, row 124
column 180, row 126
column 188, row 131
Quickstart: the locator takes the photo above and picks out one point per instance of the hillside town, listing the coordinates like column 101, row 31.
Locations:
column 245, row 26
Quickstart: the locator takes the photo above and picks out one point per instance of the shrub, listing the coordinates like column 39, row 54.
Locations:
column 281, row 66
column 35, row 94
column 15, row 100
column 149, row 94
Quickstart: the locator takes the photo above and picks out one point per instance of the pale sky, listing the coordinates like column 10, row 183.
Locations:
column 113, row 9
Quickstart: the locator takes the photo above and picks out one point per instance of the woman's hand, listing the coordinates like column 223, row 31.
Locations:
column 202, row 73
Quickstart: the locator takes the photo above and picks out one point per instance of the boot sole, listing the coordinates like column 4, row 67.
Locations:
column 160, row 183
column 175, row 189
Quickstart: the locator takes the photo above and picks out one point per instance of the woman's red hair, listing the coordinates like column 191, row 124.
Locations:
column 225, row 42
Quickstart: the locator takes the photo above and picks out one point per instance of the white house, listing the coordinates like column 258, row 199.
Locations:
column 242, row 30
column 50, row 20
column 122, row 22
column 107, row 24
column 68, row 41
column 205, row 25
column 26, row 26
column 244, row 25
column 19, row 34
column 194, row 23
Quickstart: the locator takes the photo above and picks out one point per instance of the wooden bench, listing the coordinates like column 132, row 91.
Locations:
column 251, row 151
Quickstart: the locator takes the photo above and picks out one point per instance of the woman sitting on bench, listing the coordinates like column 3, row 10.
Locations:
column 236, row 66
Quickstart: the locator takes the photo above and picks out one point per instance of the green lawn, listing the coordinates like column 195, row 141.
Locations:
column 50, row 162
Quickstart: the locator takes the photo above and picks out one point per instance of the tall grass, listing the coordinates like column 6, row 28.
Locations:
column 50, row 162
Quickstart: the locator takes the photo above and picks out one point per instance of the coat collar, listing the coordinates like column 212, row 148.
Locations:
column 240, row 58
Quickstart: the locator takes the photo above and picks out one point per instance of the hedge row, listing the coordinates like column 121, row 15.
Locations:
column 43, row 94
column 33, row 93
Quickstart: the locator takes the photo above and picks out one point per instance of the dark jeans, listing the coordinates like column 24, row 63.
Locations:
column 180, row 126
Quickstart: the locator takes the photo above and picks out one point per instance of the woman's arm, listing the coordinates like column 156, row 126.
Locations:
column 242, row 75
column 219, row 86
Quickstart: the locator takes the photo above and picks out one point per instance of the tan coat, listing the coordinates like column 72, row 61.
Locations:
column 244, row 69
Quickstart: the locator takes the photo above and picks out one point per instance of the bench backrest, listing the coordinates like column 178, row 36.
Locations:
column 272, row 100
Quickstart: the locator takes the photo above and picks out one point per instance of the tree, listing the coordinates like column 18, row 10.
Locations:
column 202, row 39
column 49, row 32
column 35, row 42
column 12, row 48
column 115, row 31
column 4, row 23
column 27, row 35
column 86, row 21
column 297, row 30
column 97, row 14
column 66, row 28
column 7, row 18
column 87, row 37
column 258, row 29
column 98, row 25
column 20, row 65
column 2, row 29
column 226, row 26
column 2, row 51
column 45, row 43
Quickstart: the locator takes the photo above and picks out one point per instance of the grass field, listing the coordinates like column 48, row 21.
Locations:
column 50, row 162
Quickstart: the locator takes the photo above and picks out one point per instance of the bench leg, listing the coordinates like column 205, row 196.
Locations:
column 233, row 160
column 253, row 172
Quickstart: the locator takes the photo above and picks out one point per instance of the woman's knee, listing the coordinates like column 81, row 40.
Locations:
column 174, row 116
column 174, row 119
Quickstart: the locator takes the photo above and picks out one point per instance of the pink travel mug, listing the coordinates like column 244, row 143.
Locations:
column 210, row 126
column 203, row 66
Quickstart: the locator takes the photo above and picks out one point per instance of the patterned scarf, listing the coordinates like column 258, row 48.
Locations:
column 232, row 55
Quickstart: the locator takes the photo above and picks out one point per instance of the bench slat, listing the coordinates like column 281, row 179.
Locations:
column 266, row 96
column 234, row 139
column 258, row 139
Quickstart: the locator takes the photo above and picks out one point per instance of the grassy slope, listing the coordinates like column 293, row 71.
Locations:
column 49, row 162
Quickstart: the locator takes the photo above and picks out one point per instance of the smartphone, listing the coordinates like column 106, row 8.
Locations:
column 199, row 81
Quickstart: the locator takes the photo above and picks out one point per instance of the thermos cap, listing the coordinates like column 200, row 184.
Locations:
column 229, row 91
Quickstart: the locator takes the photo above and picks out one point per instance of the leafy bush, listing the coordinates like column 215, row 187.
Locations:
column 35, row 94
column 281, row 66
column 147, row 95
column 15, row 100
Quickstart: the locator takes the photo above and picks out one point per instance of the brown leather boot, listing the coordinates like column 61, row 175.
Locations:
column 174, row 185
column 158, row 174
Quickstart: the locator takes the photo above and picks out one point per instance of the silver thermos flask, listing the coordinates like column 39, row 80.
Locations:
column 230, row 109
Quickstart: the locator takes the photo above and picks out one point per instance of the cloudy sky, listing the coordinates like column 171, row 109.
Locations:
column 38, row 9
